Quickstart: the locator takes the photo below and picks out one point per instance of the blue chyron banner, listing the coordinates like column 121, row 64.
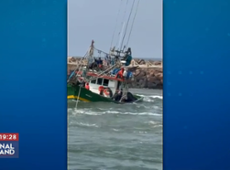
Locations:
column 33, row 51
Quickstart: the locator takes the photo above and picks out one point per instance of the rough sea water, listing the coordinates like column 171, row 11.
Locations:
column 108, row 136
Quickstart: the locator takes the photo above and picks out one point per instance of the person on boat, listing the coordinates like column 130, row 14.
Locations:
column 128, row 57
column 120, row 94
column 101, row 90
column 93, row 64
column 117, row 95
column 114, row 97
column 130, row 97
column 128, row 60
column 109, row 92
column 87, row 86
column 80, row 82
column 128, row 52
column 100, row 62
column 120, row 73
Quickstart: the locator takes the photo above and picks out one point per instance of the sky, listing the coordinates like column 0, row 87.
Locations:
column 98, row 20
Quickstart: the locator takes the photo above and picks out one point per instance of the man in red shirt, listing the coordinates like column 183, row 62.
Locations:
column 120, row 74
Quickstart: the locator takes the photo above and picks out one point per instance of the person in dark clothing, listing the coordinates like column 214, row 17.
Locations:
column 110, row 92
column 129, row 52
column 100, row 63
column 93, row 65
column 117, row 95
column 82, row 84
column 101, row 92
column 130, row 97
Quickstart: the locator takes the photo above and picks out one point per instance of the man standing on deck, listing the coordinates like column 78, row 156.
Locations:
column 120, row 73
column 100, row 62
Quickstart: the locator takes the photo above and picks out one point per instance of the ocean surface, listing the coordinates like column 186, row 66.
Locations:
column 108, row 136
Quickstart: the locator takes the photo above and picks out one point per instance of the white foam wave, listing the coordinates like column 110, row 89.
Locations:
column 86, row 124
column 140, row 132
column 111, row 112
column 157, row 126
column 93, row 113
column 156, row 97
column 154, row 124
column 150, row 98
column 145, row 107
column 151, row 122
column 156, row 107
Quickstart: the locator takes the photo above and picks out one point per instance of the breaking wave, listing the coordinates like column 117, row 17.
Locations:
column 151, row 98
column 83, row 124
column 75, row 111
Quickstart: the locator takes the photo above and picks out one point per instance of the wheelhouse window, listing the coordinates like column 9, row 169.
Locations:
column 105, row 82
column 93, row 81
column 99, row 81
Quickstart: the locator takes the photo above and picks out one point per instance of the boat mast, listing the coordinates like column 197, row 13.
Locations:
column 121, row 37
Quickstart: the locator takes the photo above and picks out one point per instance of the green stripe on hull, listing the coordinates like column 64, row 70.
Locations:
column 85, row 95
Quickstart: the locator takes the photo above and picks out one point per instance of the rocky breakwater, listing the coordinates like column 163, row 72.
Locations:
column 147, row 74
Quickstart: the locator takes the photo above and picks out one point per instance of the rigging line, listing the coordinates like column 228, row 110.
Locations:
column 132, row 23
column 78, row 96
column 122, row 21
column 116, row 24
column 127, row 24
column 126, row 5
column 101, row 51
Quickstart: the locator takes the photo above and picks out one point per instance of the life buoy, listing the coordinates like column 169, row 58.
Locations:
column 100, row 88
column 106, row 92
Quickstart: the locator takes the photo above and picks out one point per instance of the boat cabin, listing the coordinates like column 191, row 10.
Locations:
column 112, row 83
column 105, row 81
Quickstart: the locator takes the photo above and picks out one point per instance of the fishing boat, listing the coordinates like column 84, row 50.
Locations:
column 104, row 78
column 105, row 84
